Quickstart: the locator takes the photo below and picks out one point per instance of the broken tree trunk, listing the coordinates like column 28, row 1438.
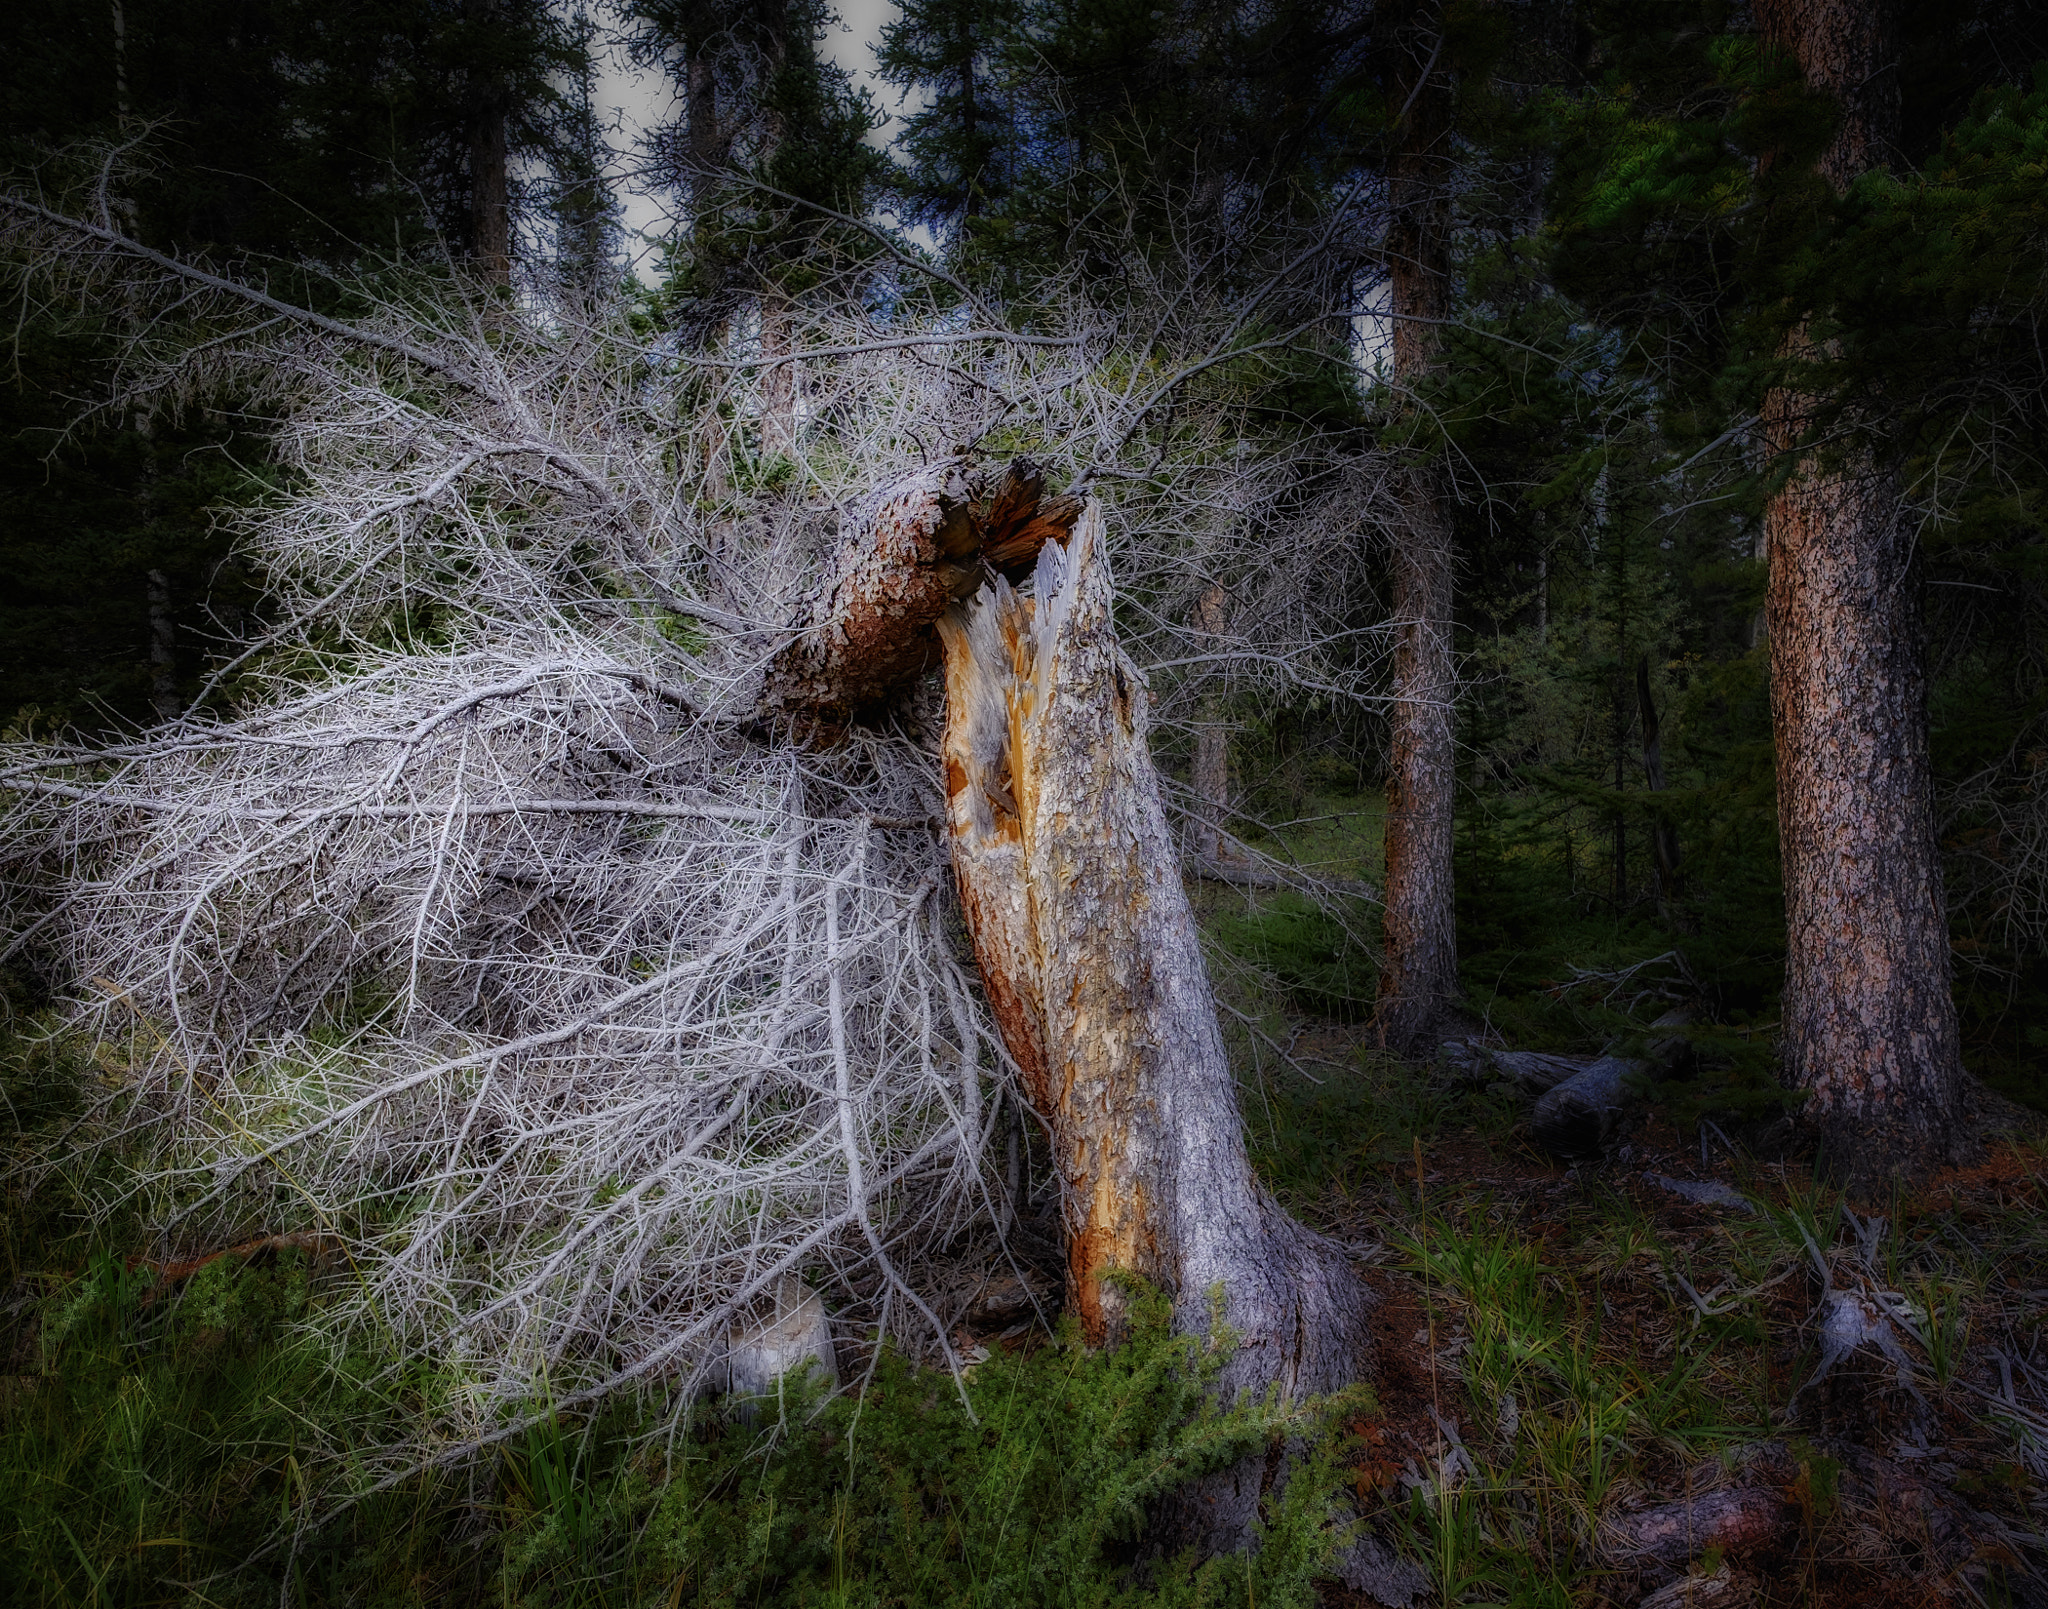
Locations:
column 925, row 541
column 1088, row 950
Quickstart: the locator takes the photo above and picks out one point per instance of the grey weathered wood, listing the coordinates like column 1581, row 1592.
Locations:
column 1579, row 1116
column 1531, row 1071
column 1072, row 889
column 796, row 1333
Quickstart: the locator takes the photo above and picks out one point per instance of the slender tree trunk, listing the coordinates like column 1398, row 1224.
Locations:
column 1088, row 950
column 490, row 205
column 1420, row 978
column 779, row 378
column 707, row 142
column 163, row 649
column 1211, row 777
column 1663, row 835
column 1869, row 1019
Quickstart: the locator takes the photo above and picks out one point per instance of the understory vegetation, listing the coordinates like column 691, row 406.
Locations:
column 1560, row 1347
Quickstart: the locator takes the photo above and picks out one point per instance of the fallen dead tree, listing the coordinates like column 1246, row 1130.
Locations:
column 546, row 904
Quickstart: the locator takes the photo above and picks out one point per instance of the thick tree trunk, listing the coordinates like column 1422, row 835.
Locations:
column 1072, row 891
column 490, row 205
column 1869, row 1019
column 1420, row 977
column 925, row 541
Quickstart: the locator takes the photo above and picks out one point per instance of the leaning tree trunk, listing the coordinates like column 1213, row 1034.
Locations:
column 1072, row 891
column 1869, row 1019
column 1420, row 976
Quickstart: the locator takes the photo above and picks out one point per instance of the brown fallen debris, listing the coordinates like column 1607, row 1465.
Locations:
column 310, row 1241
column 1744, row 1522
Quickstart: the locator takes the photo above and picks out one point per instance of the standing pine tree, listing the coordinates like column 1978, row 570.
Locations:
column 957, row 148
column 1870, row 1021
column 1421, row 969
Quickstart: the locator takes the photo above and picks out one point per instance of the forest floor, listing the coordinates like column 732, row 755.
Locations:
column 1604, row 1384
column 1591, row 1390
column 1688, row 1373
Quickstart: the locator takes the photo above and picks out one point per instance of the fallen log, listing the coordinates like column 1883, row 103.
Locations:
column 1581, row 1101
column 310, row 1241
column 1744, row 1522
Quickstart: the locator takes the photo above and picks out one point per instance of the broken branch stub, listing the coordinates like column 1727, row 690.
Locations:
column 927, row 541
column 1071, row 887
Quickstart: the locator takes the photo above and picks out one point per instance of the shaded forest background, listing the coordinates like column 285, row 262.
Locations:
column 1623, row 262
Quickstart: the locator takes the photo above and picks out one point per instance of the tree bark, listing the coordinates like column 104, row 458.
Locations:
column 1089, row 954
column 1869, row 1019
column 163, row 650
column 1663, row 835
column 490, row 204
column 707, row 144
column 925, row 541
column 1420, row 977
column 779, row 377
column 1071, row 888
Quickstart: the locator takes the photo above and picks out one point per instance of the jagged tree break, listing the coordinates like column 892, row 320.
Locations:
column 1869, row 1020
column 1089, row 955
column 1070, row 881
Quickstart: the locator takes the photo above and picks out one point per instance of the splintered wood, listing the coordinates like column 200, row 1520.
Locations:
column 926, row 541
column 1070, row 882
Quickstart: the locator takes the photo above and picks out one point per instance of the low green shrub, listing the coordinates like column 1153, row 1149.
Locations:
column 1034, row 1488
column 155, row 1440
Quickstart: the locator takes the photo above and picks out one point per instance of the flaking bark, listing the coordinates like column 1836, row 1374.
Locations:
column 923, row 543
column 1089, row 952
column 1870, row 1026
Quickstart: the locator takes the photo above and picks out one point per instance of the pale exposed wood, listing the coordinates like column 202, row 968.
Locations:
column 1088, row 948
column 1869, row 1020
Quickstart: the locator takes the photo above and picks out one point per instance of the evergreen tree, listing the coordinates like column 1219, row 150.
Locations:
column 959, row 148
column 279, row 138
